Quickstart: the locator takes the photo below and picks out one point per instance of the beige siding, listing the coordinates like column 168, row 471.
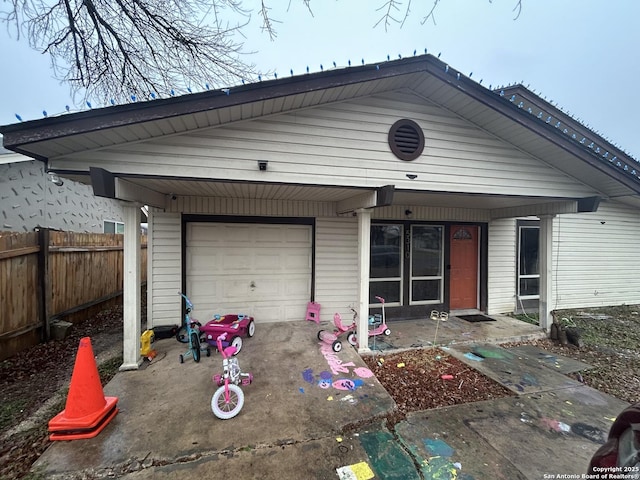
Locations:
column 336, row 266
column 251, row 207
column 165, row 269
column 434, row 214
column 502, row 266
column 345, row 144
column 596, row 263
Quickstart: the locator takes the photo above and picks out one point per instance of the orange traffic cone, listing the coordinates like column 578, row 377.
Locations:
column 87, row 410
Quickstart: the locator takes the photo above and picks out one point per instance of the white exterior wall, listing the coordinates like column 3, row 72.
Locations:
column 165, row 270
column 345, row 144
column 337, row 267
column 595, row 263
column 502, row 266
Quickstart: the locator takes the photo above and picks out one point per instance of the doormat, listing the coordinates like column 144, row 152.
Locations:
column 476, row 318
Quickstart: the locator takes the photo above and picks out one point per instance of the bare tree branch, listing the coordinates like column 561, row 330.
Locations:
column 518, row 9
column 118, row 48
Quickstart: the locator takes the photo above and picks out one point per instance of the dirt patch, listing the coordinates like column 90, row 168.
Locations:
column 430, row 378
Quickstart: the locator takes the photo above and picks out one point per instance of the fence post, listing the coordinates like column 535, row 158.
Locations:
column 43, row 282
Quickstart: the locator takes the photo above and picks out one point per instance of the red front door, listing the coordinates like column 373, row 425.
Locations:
column 463, row 275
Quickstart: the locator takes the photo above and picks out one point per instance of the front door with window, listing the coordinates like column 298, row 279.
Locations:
column 417, row 266
column 463, row 272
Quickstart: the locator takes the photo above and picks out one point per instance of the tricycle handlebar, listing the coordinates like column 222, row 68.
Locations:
column 380, row 299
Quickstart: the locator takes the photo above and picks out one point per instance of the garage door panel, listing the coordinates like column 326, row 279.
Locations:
column 233, row 261
column 298, row 236
column 267, row 262
column 224, row 259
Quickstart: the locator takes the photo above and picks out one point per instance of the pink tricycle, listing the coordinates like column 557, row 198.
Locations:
column 234, row 325
column 333, row 337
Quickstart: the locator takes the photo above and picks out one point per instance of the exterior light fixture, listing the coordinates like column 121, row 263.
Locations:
column 262, row 165
column 55, row 179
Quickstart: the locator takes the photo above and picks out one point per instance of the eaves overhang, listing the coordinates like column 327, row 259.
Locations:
column 18, row 136
column 32, row 138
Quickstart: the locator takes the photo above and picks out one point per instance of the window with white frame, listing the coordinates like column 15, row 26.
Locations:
column 528, row 263
column 385, row 271
column 111, row 226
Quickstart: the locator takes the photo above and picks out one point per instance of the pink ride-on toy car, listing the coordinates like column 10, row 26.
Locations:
column 234, row 325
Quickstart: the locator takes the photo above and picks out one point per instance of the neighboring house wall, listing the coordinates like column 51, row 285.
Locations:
column 29, row 200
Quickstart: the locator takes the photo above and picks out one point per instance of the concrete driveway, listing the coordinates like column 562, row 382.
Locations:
column 311, row 413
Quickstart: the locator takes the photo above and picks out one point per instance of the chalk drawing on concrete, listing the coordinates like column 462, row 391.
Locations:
column 589, row 432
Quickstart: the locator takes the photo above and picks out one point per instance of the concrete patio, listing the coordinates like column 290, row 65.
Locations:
column 311, row 413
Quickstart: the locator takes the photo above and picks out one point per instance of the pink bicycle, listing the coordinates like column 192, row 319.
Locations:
column 228, row 399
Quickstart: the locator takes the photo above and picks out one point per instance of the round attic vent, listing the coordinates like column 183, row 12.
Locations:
column 406, row 139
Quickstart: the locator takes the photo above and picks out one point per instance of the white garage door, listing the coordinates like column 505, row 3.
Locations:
column 256, row 269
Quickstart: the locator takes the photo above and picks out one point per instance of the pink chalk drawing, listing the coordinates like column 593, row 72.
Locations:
column 347, row 384
column 555, row 425
column 363, row 372
column 335, row 364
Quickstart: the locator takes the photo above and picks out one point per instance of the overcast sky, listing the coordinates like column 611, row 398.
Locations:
column 582, row 54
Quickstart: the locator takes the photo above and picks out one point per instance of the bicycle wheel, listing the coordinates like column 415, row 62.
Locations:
column 226, row 410
column 236, row 342
column 181, row 335
column 195, row 347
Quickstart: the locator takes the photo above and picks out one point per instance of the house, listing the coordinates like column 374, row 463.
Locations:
column 403, row 179
column 31, row 198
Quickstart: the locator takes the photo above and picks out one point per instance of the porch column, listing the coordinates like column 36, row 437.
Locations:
column 364, row 248
column 131, row 290
column 546, row 271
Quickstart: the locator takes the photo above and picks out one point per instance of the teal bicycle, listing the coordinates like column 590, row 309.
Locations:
column 190, row 333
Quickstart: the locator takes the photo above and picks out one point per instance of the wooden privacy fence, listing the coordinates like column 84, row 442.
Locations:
column 49, row 275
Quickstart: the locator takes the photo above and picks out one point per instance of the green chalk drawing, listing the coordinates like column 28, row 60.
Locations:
column 438, row 448
column 388, row 460
column 471, row 356
column 492, row 352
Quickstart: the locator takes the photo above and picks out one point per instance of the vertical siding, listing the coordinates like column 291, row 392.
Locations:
column 502, row 266
column 595, row 263
column 165, row 269
column 336, row 266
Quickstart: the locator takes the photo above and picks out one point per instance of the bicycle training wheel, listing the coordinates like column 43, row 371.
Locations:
column 181, row 335
column 195, row 347
column 226, row 410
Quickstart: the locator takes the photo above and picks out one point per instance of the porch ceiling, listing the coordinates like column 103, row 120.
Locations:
column 268, row 191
